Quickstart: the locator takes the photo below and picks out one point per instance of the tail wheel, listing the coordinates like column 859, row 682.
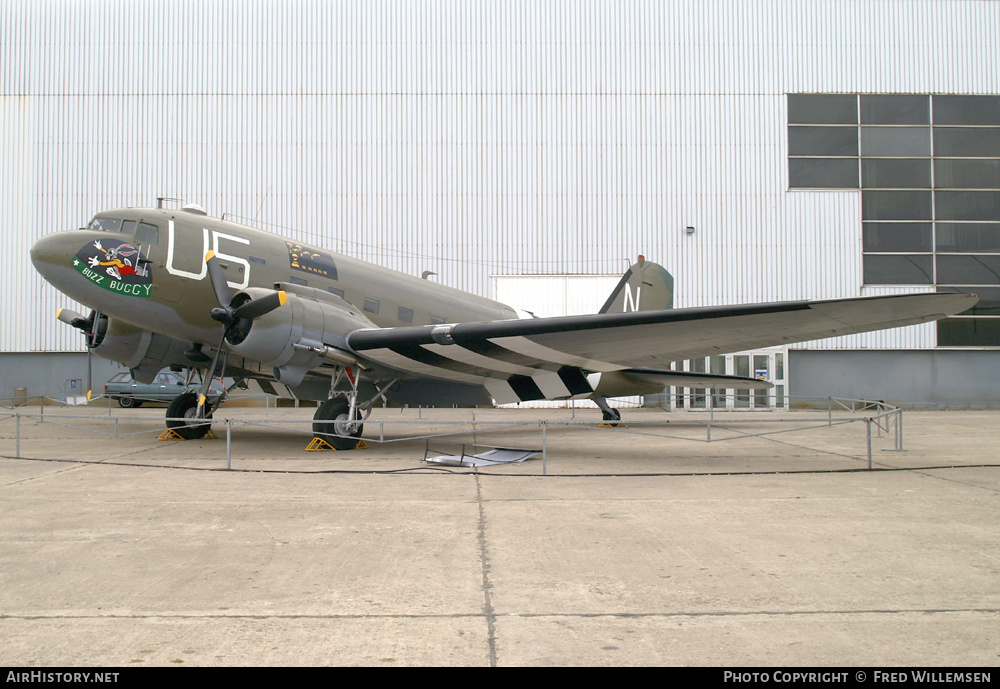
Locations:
column 182, row 417
column 332, row 423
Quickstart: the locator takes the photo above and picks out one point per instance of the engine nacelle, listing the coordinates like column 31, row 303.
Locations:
column 292, row 338
column 140, row 350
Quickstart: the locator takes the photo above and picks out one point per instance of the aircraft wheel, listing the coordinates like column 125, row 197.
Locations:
column 613, row 417
column 185, row 406
column 331, row 423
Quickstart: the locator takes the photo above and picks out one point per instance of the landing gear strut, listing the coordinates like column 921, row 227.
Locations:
column 339, row 419
column 612, row 416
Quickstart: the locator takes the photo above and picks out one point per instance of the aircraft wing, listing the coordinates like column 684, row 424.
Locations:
column 483, row 352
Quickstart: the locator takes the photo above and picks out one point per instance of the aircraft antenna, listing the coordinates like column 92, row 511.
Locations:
column 261, row 207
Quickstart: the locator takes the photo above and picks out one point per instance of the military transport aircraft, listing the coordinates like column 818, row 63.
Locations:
column 180, row 289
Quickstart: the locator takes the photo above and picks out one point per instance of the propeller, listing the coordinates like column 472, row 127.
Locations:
column 94, row 327
column 234, row 314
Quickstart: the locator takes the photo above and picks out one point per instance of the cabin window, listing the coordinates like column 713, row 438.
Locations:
column 336, row 291
column 371, row 305
column 436, row 320
column 405, row 314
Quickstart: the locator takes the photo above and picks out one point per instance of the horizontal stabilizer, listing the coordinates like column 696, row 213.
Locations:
column 690, row 379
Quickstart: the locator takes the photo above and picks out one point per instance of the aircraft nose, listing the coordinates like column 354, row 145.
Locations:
column 45, row 252
column 52, row 251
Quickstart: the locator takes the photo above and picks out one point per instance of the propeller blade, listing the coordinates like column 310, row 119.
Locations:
column 218, row 279
column 70, row 317
column 258, row 307
column 206, row 383
column 90, row 375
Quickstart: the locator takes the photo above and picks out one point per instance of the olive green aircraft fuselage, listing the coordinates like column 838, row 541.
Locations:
column 181, row 289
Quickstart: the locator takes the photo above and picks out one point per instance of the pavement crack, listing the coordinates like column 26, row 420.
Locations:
column 484, row 559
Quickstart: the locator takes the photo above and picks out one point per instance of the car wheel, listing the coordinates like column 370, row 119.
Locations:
column 331, row 423
column 126, row 402
column 182, row 417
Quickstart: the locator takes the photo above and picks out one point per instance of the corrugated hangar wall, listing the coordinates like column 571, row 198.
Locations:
column 472, row 139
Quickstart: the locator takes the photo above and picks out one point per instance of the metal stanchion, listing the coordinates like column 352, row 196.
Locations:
column 868, row 429
column 544, row 453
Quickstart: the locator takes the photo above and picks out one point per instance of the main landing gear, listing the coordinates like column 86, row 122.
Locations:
column 186, row 418
column 183, row 419
column 611, row 416
column 339, row 420
column 333, row 423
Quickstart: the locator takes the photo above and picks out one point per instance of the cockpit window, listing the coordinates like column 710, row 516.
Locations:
column 106, row 224
column 147, row 234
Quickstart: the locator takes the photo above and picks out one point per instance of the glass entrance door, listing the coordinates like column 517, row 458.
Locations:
column 768, row 364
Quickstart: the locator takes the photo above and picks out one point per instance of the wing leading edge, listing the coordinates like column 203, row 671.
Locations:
column 555, row 353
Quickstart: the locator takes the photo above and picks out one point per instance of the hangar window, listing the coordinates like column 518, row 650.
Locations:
column 894, row 237
column 829, row 173
column 956, row 142
column 958, row 173
column 928, row 169
column 967, row 110
column 968, row 237
column 903, row 109
column 823, row 141
column 899, row 269
column 896, row 142
column 822, row 108
column 895, row 173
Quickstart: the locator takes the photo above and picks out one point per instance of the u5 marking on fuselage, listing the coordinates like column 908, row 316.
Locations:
column 216, row 236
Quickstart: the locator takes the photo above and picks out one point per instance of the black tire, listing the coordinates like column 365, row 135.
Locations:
column 185, row 406
column 613, row 418
column 329, row 423
column 127, row 402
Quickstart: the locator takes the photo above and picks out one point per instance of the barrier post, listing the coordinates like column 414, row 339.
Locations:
column 544, row 453
column 229, row 445
column 17, row 422
column 868, row 427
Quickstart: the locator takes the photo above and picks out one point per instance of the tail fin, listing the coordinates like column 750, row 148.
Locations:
column 646, row 286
